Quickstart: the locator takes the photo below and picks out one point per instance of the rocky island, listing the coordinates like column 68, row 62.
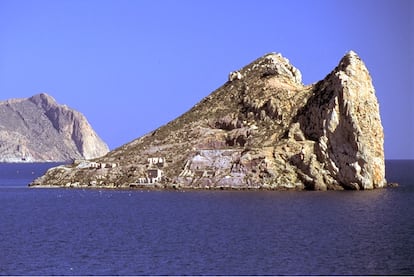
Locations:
column 263, row 129
column 38, row 129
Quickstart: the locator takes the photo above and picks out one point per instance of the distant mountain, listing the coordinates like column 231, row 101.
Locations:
column 37, row 129
column 263, row 129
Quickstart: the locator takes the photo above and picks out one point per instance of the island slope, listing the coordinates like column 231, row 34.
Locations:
column 263, row 129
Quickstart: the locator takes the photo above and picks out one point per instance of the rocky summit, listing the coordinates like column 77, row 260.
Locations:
column 37, row 129
column 263, row 129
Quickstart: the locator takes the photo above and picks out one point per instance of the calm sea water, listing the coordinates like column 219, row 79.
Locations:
column 132, row 232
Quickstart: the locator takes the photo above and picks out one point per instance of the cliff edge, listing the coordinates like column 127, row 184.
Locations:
column 37, row 129
column 263, row 129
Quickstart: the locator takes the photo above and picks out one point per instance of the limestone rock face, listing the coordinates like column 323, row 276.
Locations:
column 263, row 129
column 342, row 119
column 37, row 129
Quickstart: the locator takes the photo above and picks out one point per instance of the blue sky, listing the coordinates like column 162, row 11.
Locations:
column 132, row 66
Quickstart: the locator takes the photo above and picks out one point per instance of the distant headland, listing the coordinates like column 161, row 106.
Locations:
column 38, row 129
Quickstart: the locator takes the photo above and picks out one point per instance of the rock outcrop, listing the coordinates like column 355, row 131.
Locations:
column 37, row 129
column 263, row 129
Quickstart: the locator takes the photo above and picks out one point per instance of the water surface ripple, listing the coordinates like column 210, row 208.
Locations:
column 132, row 232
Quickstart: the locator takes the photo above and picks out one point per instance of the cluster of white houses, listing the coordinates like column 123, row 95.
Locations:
column 154, row 171
column 93, row 165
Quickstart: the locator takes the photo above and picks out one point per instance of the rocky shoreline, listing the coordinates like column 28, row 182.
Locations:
column 178, row 187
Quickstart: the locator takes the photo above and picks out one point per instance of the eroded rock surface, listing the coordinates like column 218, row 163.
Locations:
column 262, row 129
column 37, row 129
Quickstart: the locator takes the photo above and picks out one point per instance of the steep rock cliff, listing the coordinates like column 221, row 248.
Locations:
column 261, row 129
column 37, row 129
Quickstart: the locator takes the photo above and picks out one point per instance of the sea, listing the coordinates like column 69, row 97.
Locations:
column 138, row 232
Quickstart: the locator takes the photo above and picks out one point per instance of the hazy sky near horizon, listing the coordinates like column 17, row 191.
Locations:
column 132, row 66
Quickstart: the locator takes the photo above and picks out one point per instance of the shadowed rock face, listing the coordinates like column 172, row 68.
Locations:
column 261, row 129
column 37, row 129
